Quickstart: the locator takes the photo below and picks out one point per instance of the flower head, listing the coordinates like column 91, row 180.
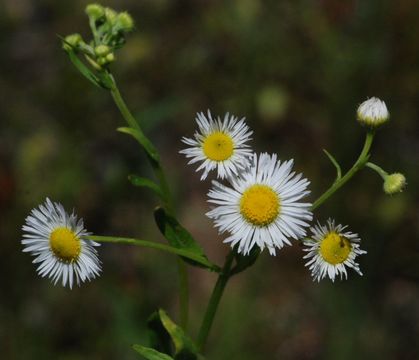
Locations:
column 373, row 112
column 331, row 250
column 394, row 183
column 219, row 145
column 262, row 208
column 57, row 239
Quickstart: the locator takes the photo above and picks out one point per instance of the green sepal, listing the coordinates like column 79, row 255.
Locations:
column 150, row 354
column 140, row 181
column 143, row 141
column 179, row 237
column 245, row 261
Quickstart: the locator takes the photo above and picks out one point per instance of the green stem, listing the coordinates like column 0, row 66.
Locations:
column 147, row 144
column 359, row 164
column 183, row 294
column 216, row 295
column 155, row 245
column 377, row 169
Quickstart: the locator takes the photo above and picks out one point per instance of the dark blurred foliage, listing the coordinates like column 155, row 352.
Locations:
column 296, row 70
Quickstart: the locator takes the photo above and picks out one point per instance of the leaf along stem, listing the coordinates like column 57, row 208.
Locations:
column 359, row 164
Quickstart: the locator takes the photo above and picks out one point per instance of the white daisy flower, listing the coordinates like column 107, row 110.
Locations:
column 263, row 206
column 57, row 239
column 331, row 250
column 219, row 144
column 373, row 112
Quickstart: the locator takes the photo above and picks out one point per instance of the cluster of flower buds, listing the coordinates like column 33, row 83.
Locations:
column 109, row 29
column 373, row 113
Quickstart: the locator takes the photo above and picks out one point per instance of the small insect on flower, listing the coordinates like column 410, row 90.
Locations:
column 331, row 250
column 219, row 144
column 57, row 239
column 263, row 205
column 373, row 112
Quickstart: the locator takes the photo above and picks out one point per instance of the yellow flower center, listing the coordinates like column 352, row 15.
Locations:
column 218, row 146
column 260, row 205
column 65, row 244
column 335, row 249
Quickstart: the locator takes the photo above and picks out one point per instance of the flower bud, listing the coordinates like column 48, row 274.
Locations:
column 394, row 183
column 102, row 50
column 110, row 15
column 72, row 41
column 95, row 11
column 125, row 22
column 373, row 112
column 110, row 57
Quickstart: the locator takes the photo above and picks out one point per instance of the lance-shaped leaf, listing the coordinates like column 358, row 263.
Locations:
column 180, row 238
column 140, row 181
column 143, row 141
column 150, row 354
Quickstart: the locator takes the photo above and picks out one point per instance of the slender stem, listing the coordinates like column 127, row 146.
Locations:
column 158, row 171
column 216, row 295
column 359, row 164
column 183, row 294
column 377, row 169
column 159, row 246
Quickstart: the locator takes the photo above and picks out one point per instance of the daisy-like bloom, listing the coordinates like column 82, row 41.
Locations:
column 263, row 205
column 331, row 250
column 57, row 239
column 373, row 112
column 219, row 144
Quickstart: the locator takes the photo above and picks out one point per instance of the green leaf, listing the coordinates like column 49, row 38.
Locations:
column 159, row 337
column 184, row 253
column 245, row 261
column 143, row 141
column 178, row 236
column 84, row 70
column 150, row 354
column 140, row 181
column 335, row 163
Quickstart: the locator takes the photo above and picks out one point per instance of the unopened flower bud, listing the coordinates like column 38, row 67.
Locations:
column 95, row 11
column 373, row 112
column 110, row 15
column 394, row 183
column 72, row 41
column 102, row 50
column 110, row 57
column 124, row 21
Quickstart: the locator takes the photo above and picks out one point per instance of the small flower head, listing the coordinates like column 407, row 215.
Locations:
column 71, row 42
column 111, row 15
column 219, row 145
column 102, row 50
column 394, row 183
column 57, row 240
column 263, row 207
column 95, row 11
column 124, row 22
column 373, row 112
column 331, row 250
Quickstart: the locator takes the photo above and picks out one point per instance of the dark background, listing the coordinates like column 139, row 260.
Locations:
column 297, row 71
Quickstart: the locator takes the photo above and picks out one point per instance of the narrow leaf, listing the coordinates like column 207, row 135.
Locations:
column 83, row 69
column 143, row 141
column 150, row 354
column 188, row 254
column 140, row 181
column 184, row 346
column 177, row 235
column 335, row 163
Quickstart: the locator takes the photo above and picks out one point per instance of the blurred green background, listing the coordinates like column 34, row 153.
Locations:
column 297, row 71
